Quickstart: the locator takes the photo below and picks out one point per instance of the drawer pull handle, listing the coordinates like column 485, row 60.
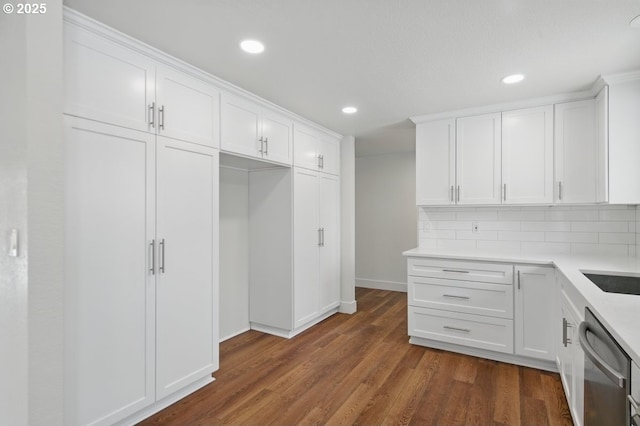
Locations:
column 455, row 270
column 453, row 296
column 463, row 330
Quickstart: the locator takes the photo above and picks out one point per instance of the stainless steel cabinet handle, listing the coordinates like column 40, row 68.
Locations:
column 451, row 196
column 152, row 257
column 152, row 115
column 560, row 190
column 319, row 164
column 161, row 117
column 261, row 150
column 458, row 194
column 518, row 280
column 565, row 338
column 322, row 162
column 266, row 146
column 162, row 246
column 319, row 237
column 602, row 365
column 504, row 192
column 463, row 330
column 453, row 296
column 322, row 237
column 455, row 270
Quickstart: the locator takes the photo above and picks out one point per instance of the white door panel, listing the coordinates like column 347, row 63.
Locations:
column 305, row 147
column 240, row 126
column 435, row 163
column 277, row 132
column 329, row 193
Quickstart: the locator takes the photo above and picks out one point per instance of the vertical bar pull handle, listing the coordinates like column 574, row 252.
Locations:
column 152, row 257
column 319, row 237
column 266, row 146
column 322, row 237
column 518, row 280
column 152, row 115
column 451, row 196
column 560, row 190
column 162, row 246
column 504, row 191
column 161, row 117
column 319, row 165
column 261, row 150
column 458, row 194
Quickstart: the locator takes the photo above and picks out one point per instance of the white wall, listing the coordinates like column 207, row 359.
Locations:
column 385, row 219
column 348, row 304
column 234, row 252
column 638, row 231
column 593, row 229
column 13, row 214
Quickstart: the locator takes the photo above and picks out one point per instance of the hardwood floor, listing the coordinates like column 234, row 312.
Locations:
column 360, row 369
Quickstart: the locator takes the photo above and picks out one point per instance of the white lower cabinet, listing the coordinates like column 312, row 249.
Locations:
column 535, row 311
column 483, row 309
column 141, row 255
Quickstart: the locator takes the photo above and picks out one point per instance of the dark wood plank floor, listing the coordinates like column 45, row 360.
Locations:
column 360, row 369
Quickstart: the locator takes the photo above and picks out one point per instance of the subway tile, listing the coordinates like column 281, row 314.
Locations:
column 436, row 215
column 553, row 215
column 439, row 234
column 521, row 215
column 633, row 250
column 495, row 225
column 584, row 215
column 430, row 243
column 625, row 215
column 617, row 238
column 545, row 226
column 633, row 226
column 457, row 244
column 520, row 236
column 571, row 237
column 477, row 215
column 480, row 235
column 508, row 246
column 600, row 226
column 545, row 248
column 453, row 224
column 600, row 249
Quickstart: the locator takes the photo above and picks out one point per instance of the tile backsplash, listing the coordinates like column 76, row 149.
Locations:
column 594, row 229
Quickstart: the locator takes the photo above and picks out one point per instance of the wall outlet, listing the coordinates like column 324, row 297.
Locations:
column 426, row 226
column 475, row 227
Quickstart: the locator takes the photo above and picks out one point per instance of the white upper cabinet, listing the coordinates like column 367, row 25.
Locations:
column 186, row 108
column 527, row 156
column 105, row 81
column 478, row 159
column 436, row 163
column 315, row 150
column 251, row 130
column 576, row 154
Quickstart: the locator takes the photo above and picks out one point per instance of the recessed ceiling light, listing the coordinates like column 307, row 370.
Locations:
column 349, row 110
column 252, row 46
column 635, row 22
column 513, row 78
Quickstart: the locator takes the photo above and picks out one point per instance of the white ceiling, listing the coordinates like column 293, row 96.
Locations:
column 390, row 58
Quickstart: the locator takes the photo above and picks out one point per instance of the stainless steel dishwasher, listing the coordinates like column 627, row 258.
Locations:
column 607, row 370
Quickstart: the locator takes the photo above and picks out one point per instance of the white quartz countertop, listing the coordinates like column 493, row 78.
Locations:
column 620, row 313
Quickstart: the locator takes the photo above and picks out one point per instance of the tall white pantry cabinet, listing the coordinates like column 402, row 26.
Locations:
column 142, row 157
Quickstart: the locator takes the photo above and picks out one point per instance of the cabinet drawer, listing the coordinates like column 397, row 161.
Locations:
column 469, row 297
column 461, row 270
column 495, row 334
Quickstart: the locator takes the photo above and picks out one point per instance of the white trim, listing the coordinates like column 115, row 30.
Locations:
column 487, row 354
column 348, row 307
column 288, row 334
column 381, row 285
column 165, row 402
column 234, row 334
column 508, row 106
column 73, row 17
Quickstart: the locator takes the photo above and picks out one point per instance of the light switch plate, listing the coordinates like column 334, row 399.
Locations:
column 13, row 243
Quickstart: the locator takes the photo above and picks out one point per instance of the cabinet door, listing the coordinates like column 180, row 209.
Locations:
column 109, row 306
column 240, row 126
column 306, row 242
column 566, row 351
column 527, row 156
column 435, row 163
column 305, row 147
column 478, row 164
column 602, row 145
column 575, row 152
column 187, row 214
column 188, row 109
column 277, row 132
column 106, row 82
column 329, row 149
column 535, row 313
column 329, row 193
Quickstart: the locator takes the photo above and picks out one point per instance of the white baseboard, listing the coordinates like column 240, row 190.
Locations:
column 234, row 334
column 381, row 285
column 288, row 334
column 348, row 307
